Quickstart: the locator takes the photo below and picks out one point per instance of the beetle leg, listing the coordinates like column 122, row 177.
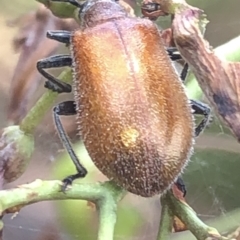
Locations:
column 68, row 108
column 175, row 56
column 60, row 36
column 184, row 72
column 53, row 83
column 201, row 109
column 181, row 186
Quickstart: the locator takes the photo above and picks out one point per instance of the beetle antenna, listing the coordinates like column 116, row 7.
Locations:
column 73, row 2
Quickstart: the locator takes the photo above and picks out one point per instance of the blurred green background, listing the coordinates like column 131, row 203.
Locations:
column 212, row 177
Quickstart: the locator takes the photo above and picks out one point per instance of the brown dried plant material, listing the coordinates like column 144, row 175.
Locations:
column 178, row 225
column 14, row 210
column 218, row 79
column 16, row 149
column 33, row 45
column 153, row 9
column 167, row 37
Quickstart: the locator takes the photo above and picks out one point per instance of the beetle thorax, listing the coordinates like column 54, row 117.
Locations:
column 99, row 11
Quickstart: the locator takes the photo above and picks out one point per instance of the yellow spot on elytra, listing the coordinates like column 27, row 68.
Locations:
column 129, row 137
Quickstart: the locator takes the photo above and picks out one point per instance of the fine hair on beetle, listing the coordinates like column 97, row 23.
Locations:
column 134, row 116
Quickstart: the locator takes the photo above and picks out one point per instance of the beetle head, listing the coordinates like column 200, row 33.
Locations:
column 93, row 12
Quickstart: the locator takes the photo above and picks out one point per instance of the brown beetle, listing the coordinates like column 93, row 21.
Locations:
column 133, row 113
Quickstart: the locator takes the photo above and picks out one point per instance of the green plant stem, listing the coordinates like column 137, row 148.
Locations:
column 60, row 9
column 184, row 212
column 36, row 114
column 105, row 195
column 108, row 214
column 166, row 221
column 107, row 220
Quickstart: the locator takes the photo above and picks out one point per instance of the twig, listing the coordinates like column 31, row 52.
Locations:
column 166, row 221
column 105, row 195
column 184, row 212
column 61, row 10
column 36, row 114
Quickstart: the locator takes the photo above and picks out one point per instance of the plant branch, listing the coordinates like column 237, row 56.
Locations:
column 105, row 195
column 59, row 9
column 166, row 221
column 36, row 114
column 187, row 215
column 218, row 78
column 108, row 212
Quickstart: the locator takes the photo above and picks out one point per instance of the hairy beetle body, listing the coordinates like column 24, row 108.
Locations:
column 133, row 114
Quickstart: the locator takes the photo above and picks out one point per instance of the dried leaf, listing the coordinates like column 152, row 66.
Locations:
column 178, row 225
column 167, row 37
column 218, row 79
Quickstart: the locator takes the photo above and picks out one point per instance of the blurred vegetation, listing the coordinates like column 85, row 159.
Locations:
column 211, row 177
